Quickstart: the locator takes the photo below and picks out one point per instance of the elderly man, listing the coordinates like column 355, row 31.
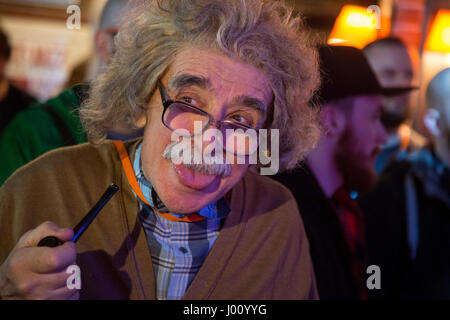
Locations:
column 176, row 229
column 339, row 168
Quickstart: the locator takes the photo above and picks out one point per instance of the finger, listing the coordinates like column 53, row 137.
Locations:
column 63, row 293
column 66, row 290
column 48, row 260
column 24, row 262
column 48, row 228
column 43, row 286
column 58, row 279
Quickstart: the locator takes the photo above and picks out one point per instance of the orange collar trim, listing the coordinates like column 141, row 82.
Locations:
column 131, row 177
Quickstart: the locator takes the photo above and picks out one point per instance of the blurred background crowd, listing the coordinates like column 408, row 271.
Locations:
column 45, row 68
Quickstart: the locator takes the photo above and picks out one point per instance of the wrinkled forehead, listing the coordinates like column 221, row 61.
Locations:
column 222, row 76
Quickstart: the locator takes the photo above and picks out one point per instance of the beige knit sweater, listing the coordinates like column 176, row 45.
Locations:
column 261, row 252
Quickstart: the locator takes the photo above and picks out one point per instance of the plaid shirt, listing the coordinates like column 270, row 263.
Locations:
column 178, row 249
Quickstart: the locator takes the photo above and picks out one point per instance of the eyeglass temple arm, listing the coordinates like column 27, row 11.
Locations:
column 162, row 92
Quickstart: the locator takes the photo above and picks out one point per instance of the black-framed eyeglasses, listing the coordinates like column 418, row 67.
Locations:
column 188, row 120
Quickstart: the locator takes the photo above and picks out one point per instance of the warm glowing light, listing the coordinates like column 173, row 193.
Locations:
column 439, row 37
column 356, row 26
column 359, row 20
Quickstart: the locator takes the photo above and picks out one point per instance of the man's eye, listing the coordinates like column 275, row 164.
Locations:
column 241, row 119
column 187, row 99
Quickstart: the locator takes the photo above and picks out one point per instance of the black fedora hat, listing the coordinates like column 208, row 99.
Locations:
column 346, row 72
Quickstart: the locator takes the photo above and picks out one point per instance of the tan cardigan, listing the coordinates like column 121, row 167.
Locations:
column 261, row 253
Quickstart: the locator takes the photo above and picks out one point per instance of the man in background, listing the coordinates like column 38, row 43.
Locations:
column 340, row 167
column 409, row 211
column 391, row 62
column 55, row 123
column 12, row 99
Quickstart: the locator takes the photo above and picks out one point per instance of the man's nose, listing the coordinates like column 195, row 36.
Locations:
column 210, row 136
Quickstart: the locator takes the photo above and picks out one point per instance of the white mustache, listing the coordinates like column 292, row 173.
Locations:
column 217, row 169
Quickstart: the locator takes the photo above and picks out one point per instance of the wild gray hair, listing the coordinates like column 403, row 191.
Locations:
column 264, row 34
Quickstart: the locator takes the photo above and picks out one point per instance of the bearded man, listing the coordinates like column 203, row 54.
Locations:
column 176, row 230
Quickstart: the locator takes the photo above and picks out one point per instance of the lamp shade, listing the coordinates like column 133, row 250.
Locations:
column 355, row 26
column 438, row 38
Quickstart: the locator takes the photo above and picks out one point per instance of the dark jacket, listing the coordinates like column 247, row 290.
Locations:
column 15, row 101
column 328, row 249
column 426, row 273
column 40, row 128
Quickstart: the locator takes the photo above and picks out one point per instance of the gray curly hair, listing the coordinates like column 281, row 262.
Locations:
column 264, row 34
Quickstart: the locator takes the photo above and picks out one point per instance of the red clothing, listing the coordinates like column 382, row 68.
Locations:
column 351, row 219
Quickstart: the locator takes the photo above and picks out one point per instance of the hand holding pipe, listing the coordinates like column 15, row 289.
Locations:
column 81, row 227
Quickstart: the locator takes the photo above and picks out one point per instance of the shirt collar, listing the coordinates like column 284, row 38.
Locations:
column 216, row 209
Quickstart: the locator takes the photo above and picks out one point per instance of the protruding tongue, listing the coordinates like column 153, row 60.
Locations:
column 193, row 179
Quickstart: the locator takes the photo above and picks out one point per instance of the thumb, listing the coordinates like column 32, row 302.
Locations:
column 48, row 228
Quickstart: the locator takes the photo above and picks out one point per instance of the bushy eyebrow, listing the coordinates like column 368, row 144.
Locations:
column 250, row 102
column 185, row 80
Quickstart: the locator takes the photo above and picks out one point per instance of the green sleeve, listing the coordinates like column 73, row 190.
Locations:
column 32, row 133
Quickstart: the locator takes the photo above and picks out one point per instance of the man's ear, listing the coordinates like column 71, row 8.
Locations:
column 140, row 120
column 333, row 120
column 103, row 45
column 431, row 121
